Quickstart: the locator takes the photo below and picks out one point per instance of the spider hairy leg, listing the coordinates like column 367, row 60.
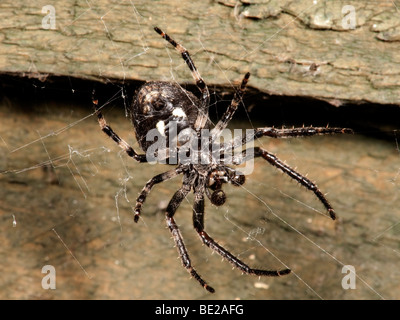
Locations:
column 272, row 159
column 205, row 100
column 282, row 133
column 110, row 132
column 186, row 57
column 299, row 132
column 227, row 116
column 184, row 255
column 149, row 185
column 176, row 235
column 198, row 223
column 210, row 242
column 276, row 162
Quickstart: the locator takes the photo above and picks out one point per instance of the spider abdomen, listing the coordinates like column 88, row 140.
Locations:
column 164, row 107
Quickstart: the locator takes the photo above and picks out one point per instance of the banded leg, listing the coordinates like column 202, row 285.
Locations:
column 282, row 133
column 276, row 162
column 149, row 185
column 227, row 116
column 198, row 223
column 110, row 132
column 203, row 112
column 298, row 132
column 177, row 236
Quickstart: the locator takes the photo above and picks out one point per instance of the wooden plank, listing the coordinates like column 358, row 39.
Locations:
column 293, row 48
column 66, row 198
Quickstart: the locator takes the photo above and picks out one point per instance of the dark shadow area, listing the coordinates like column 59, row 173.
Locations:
column 375, row 120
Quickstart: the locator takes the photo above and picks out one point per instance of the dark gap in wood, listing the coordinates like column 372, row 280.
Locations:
column 377, row 120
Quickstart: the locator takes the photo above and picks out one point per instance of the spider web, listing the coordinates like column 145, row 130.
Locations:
column 70, row 192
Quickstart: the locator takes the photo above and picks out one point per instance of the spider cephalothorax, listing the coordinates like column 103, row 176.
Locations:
column 174, row 119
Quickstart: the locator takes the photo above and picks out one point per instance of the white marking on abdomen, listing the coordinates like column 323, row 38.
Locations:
column 178, row 112
column 161, row 127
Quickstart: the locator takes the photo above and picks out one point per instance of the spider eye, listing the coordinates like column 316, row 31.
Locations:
column 238, row 179
column 218, row 197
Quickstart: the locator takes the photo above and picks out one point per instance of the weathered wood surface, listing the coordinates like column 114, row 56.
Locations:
column 295, row 48
column 66, row 198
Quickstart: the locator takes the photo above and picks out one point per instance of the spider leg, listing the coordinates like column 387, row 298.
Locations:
column 149, row 185
column 227, row 116
column 298, row 132
column 203, row 112
column 177, row 236
column 282, row 133
column 110, row 132
column 276, row 162
column 198, row 223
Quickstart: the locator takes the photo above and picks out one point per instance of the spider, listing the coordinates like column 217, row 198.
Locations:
column 168, row 108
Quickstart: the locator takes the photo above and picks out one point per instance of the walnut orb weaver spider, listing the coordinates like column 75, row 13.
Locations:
column 156, row 106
